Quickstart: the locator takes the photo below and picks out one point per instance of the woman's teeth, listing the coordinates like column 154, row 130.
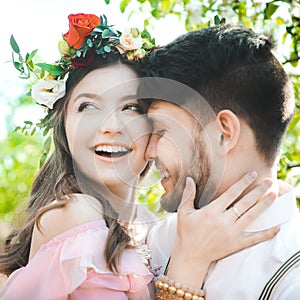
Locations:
column 111, row 151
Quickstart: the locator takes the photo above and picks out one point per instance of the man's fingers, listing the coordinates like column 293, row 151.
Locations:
column 235, row 191
column 256, row 210
column 253, row 196
column 257, row 237
column 188, row 196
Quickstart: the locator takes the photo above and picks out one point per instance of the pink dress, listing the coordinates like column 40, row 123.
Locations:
column 72, row 266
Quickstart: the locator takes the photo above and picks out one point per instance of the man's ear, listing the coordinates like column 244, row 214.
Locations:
column 230, row 126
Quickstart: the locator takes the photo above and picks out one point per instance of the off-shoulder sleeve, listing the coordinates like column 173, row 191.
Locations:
column 73, row 264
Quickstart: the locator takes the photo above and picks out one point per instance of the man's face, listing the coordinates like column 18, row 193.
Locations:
column 178, row 148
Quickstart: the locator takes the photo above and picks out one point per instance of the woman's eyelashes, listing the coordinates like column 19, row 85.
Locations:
column 135, row 107
column 86, row 105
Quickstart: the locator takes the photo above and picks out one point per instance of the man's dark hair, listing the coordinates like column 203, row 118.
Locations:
column 233, row 68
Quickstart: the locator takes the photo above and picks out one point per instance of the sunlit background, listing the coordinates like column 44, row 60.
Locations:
column 38, row 24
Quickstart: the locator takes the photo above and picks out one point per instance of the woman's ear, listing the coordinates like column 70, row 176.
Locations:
column 229, row 125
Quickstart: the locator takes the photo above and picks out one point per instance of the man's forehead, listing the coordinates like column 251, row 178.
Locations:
column 166, row 112
column 163, row 107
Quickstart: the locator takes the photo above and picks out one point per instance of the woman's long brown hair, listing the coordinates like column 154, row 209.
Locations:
column 56, row 180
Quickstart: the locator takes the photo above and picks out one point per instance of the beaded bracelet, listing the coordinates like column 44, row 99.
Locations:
column 168, row 289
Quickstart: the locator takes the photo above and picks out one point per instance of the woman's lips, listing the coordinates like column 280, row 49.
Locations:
column 109, row 152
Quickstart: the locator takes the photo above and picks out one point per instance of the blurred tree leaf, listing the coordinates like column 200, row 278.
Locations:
column 19, row 157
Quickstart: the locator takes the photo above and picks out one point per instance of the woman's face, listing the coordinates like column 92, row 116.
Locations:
column 107, row 129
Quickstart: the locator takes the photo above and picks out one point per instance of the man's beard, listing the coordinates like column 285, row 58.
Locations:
column 199, row 169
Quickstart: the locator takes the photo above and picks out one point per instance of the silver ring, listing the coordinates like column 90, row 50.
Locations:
column 236, row 212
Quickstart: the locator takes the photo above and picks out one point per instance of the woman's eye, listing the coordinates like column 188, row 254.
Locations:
column 86, row 105
column 134, row 107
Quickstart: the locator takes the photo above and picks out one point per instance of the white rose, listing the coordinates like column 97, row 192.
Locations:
column 47, row 92
column 128, row 42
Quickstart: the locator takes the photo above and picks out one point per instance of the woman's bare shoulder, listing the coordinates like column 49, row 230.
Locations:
column 80, row 209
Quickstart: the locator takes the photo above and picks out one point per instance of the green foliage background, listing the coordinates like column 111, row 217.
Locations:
column 20, row 155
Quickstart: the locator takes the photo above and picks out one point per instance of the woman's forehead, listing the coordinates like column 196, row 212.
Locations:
column 118, row 80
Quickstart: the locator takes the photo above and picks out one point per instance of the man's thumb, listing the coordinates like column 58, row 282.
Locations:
column 188, row 196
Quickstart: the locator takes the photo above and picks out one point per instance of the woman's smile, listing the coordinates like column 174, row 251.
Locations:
column 111, row 152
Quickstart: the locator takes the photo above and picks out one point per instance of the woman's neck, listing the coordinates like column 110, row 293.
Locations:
column 123, row 200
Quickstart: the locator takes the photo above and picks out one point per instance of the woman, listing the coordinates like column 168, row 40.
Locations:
column 79, row 242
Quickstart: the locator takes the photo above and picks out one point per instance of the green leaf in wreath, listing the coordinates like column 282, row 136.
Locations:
column 89, row 43
column 19, row 66
column 105, row 33
column 52, row 69
column 14, row 45
column 107, row 49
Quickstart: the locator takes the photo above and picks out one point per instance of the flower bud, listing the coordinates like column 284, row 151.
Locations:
column 63, row 47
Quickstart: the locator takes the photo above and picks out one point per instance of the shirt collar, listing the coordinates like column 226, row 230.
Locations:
column 281, row 211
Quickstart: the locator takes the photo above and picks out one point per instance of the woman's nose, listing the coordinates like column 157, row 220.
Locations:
column 112, row 124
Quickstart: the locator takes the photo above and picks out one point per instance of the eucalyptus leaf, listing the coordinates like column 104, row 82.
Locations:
column 78, row 53
column 89, row 43
column 105, row 33
column 100, row 51
column 107, row 49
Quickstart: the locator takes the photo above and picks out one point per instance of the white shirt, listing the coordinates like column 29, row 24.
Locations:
column 243, row 275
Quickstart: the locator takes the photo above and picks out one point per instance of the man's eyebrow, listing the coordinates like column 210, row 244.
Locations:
column 99, row 97
column 157, row 120
column 154, row 105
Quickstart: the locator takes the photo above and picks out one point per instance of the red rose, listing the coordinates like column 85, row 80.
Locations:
column 80, row 26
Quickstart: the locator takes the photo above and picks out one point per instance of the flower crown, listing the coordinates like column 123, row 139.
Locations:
column 87, row 37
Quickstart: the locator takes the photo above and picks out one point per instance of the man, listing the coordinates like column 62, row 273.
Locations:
column 235, row 126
